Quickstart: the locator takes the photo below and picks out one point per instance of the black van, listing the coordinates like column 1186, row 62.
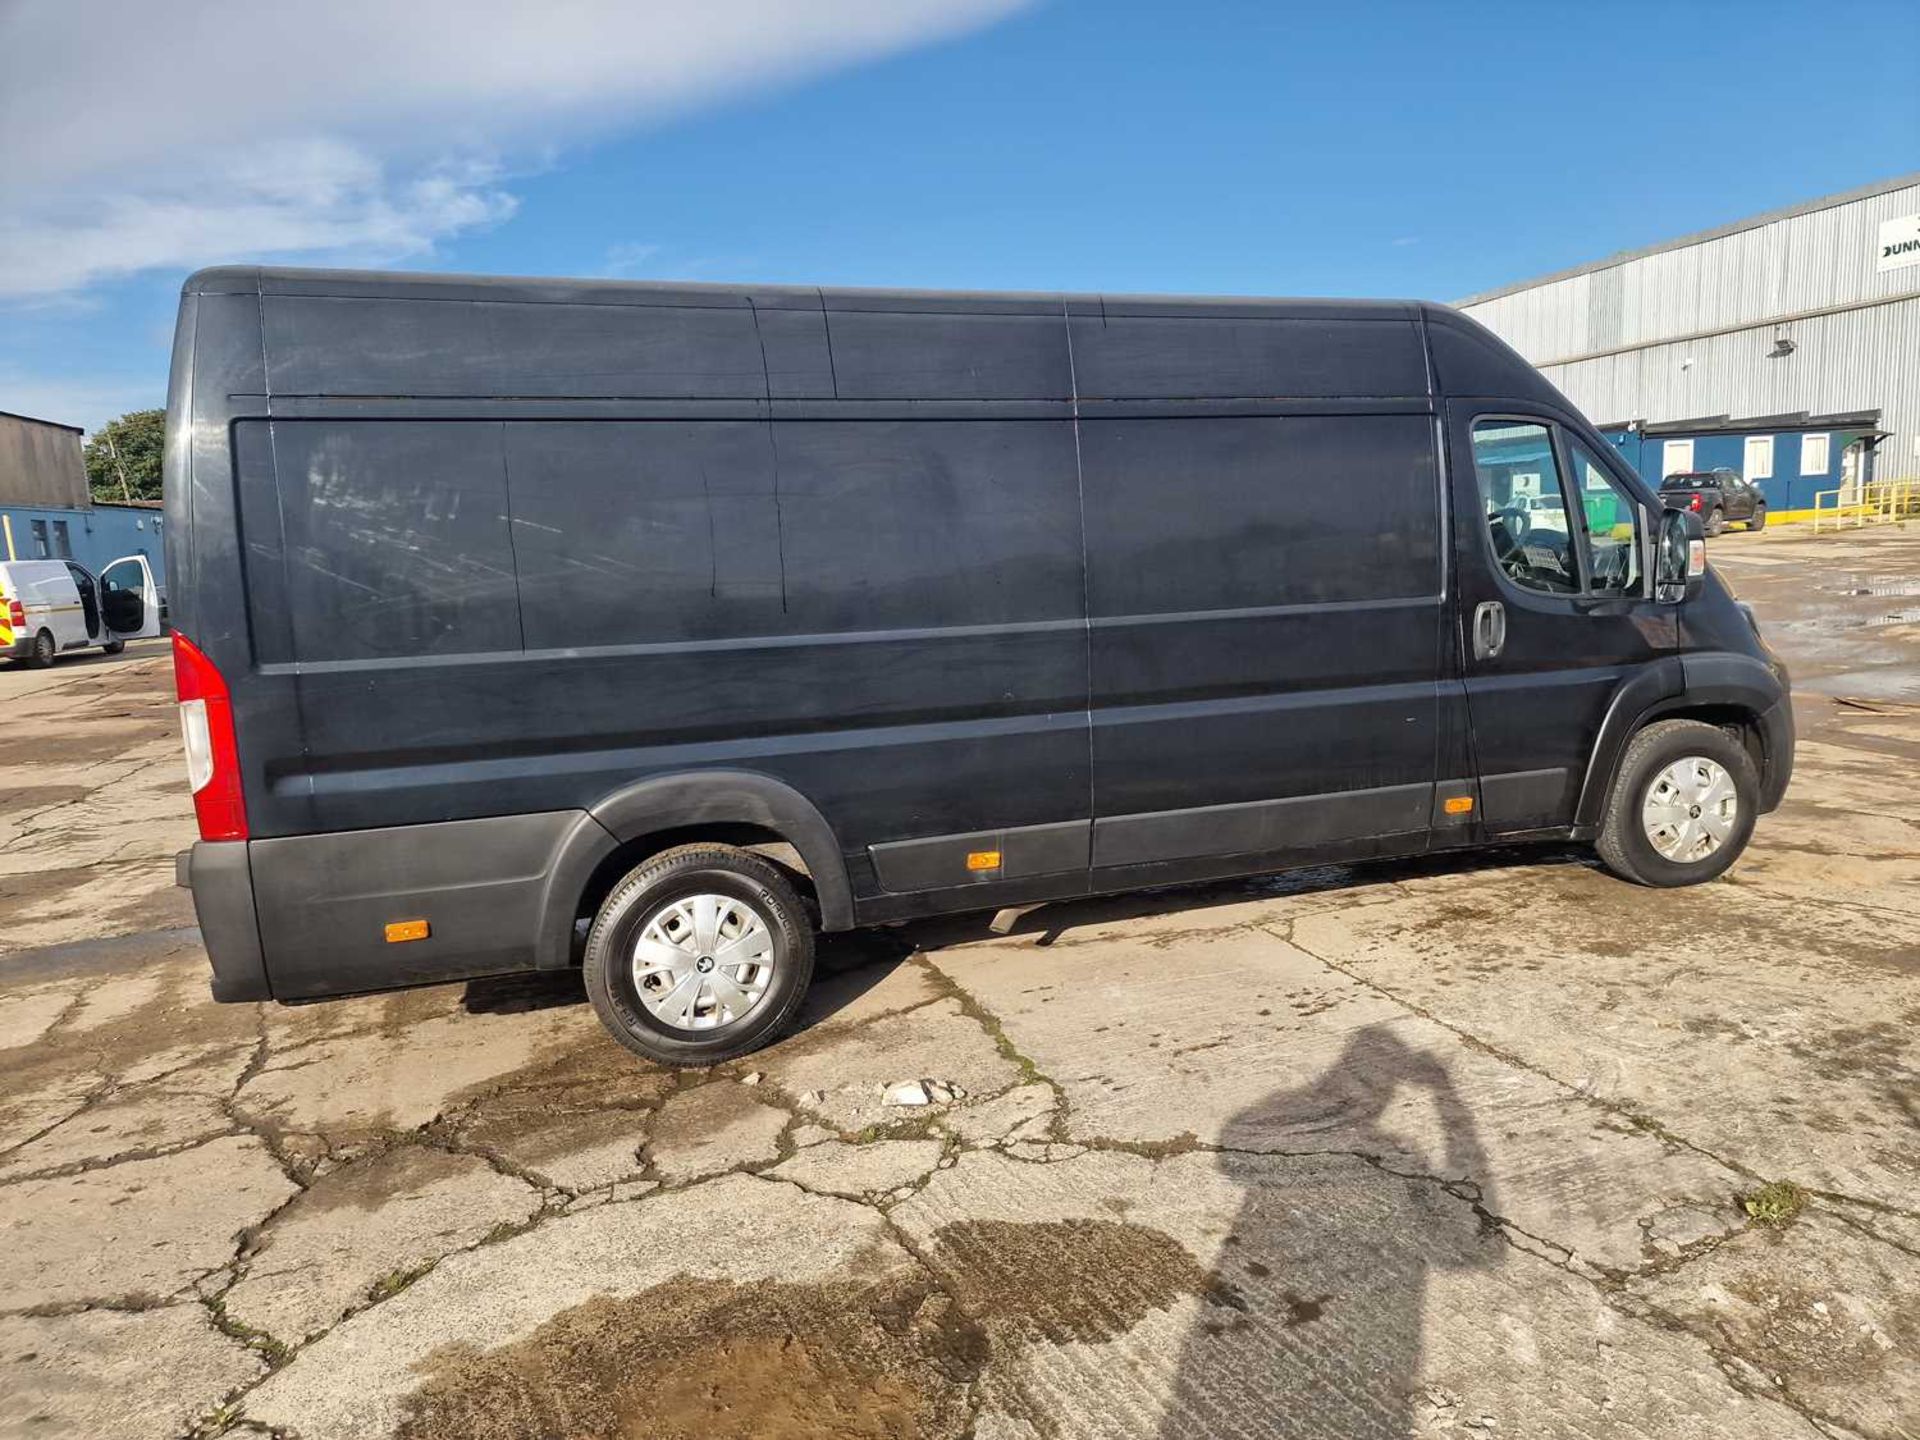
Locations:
column 525, row 624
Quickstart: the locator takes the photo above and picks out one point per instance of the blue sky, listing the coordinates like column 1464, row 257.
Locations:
column 1420, row 150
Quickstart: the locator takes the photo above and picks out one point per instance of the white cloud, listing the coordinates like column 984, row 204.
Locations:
column 140, row 135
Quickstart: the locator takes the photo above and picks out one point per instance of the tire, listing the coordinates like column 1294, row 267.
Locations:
column 1716, row 521
column 113, row 647
column 41, row 656
column 648, row 895
column 1759, row 520
column 1625, row 844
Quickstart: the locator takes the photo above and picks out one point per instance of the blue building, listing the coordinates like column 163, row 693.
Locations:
column 1790, row 458
column 46, row 512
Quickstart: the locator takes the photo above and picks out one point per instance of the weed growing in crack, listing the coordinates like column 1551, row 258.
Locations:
column 1778, row 1203
column 277, row 1351
column 217, row 1421
column 394, row 1281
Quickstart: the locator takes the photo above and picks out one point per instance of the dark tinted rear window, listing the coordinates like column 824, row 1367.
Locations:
column 1689, row 482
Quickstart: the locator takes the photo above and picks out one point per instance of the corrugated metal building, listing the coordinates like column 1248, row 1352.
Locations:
column 46, row 510
column 1786, row 347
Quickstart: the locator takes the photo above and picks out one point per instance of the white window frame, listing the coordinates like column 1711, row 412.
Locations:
column 1676, row 457
column 1826, row 453
column 1762, row 469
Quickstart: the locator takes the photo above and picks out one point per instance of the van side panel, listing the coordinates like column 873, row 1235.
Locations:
column 327, row 345
column 519, row 604
column 1142, row 350
column 1270, row 641
column 396, row 539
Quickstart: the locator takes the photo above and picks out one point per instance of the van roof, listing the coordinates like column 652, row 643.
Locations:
column 292, row 280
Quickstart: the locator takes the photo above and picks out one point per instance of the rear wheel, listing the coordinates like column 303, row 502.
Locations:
column 1682, row 807
column 1716, row 520
column 701, row 954
column 41, row 656
column 1759, row 520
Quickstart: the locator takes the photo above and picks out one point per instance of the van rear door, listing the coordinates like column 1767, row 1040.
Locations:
column 130, row 599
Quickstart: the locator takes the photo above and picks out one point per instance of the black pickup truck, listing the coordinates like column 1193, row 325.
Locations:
column 1716, row 496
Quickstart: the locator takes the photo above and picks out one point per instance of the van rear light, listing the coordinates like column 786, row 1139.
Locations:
column 213, row 756
column 16, row 615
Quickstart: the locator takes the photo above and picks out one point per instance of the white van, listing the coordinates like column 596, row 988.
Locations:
column 51, row 606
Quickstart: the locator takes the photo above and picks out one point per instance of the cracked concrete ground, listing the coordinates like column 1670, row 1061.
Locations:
column 1449, row 1147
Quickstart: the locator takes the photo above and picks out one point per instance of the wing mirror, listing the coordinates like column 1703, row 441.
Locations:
column 1680, row 559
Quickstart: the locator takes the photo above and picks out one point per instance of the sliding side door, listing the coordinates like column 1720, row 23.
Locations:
column 1266, row 609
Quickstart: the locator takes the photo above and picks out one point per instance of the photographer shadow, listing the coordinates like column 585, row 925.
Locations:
column 1333, row 1250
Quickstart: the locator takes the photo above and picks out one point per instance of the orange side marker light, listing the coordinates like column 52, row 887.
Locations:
column 983, row 860
column 401, row 930
column 1459, row 805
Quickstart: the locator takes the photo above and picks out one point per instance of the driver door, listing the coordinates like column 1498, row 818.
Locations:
column 130, row 602
column 1554, row 607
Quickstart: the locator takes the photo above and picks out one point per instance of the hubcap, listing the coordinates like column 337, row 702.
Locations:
column 703, row 961
column 1690, row 809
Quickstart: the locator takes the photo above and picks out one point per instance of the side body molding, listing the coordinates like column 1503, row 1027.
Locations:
column 738, row 797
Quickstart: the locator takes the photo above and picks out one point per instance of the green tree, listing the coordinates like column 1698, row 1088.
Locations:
column 123, row 457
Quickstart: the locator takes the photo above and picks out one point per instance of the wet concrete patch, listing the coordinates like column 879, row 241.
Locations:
column 887, row 1360
column 716, row 1360
column 1069, row 1280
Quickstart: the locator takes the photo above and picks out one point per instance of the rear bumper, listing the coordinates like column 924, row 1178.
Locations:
column 304, row 917
column 221, row 878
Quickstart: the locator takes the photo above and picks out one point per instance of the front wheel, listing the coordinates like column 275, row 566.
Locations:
column 1716, row 520
column 112, row 647
column 1682, row 807
column 701, row 954
column 1759, row 520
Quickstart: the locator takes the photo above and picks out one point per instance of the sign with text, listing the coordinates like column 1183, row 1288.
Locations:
column 1899, row 243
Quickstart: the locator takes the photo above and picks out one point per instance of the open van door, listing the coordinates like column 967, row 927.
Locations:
column 129, row 599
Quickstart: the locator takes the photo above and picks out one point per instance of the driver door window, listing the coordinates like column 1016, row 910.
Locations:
column 1525, row 505
column 1610, row 523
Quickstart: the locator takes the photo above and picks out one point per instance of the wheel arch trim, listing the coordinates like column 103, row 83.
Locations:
column 1676, row 685
column 1634, row 702
column 680, row 801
